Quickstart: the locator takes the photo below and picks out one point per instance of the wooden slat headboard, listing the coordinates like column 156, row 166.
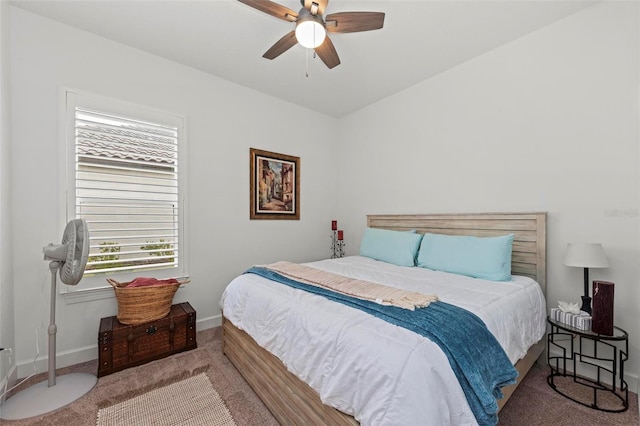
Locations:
column 529, row 243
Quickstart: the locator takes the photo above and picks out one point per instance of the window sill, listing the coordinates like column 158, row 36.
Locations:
column 88, row 295
column 91, row 294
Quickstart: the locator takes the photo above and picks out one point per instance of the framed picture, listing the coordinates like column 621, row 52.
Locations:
column 274, row 185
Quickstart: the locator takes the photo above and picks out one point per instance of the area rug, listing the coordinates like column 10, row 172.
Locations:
column 192, row 402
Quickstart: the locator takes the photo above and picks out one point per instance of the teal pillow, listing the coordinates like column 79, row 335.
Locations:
column 399, row 248
column 488, row 258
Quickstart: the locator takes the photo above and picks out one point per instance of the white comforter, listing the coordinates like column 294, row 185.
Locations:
column 380, row 373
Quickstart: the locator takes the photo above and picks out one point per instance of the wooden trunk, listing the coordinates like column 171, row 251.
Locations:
column 122, row 346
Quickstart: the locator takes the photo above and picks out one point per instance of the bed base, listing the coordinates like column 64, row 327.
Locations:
column 292, row 401
column 523, row 366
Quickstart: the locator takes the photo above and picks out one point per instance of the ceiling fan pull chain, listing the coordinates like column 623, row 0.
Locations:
column 306, row 59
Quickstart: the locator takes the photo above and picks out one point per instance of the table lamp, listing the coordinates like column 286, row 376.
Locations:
column 588, row 255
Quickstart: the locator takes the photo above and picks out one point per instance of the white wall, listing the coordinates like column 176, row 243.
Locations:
column 6, row 275
column 223, row 121
column 548, row 122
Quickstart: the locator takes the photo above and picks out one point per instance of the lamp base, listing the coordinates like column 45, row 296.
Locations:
column 586, row 304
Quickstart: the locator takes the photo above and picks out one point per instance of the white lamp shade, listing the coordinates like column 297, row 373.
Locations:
column 310, row 33
column 585, row 255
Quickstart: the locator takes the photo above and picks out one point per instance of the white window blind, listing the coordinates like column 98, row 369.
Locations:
column 127, row 189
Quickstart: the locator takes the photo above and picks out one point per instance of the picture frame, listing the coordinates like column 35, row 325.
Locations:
column 274, row 185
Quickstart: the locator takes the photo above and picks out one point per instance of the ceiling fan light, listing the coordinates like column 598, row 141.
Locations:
column 310, row 33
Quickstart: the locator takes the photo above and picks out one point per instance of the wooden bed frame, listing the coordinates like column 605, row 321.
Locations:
column 292, row 401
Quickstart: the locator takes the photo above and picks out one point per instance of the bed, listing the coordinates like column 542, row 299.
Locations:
column 293, row 400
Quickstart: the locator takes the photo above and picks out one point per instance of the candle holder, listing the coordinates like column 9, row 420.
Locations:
column 337, row 245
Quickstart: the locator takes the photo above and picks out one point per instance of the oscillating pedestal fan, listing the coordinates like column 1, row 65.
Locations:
column 69, row 259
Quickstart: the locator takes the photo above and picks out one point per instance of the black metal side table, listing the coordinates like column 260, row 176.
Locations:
column 603, row 355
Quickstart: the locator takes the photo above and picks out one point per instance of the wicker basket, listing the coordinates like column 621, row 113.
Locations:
column 137, row 305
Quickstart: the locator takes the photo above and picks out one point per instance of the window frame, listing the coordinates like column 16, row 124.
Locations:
column 95, row 286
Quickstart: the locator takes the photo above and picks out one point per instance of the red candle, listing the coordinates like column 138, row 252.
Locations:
column 334, row 225
column 340, row 235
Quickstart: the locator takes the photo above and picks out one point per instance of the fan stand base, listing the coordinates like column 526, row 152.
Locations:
column 40, row 398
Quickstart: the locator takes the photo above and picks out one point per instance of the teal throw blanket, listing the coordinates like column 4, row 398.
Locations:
column 477, row 359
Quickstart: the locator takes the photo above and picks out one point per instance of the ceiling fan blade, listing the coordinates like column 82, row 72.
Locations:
column 285, row 43
column 327, row 52
column 273, row 9
column 322, row 5
column 353, row 22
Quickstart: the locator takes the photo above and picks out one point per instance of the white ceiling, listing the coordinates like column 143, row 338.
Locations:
column 226, row 38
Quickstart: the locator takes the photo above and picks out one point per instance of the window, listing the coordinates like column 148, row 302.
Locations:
column 124, row 165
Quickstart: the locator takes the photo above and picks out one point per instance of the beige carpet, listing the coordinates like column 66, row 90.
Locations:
column 245, row 406
column 534, row 403
column 192, row 402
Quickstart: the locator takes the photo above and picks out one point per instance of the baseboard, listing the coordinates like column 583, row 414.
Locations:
column 633, row 382
column 89, row 353
column 63, row 359
column 209, row 322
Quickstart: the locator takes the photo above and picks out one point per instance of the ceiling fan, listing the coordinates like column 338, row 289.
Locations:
column 311, row 28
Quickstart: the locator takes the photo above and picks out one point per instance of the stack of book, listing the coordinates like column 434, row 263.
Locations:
column 581, row 321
